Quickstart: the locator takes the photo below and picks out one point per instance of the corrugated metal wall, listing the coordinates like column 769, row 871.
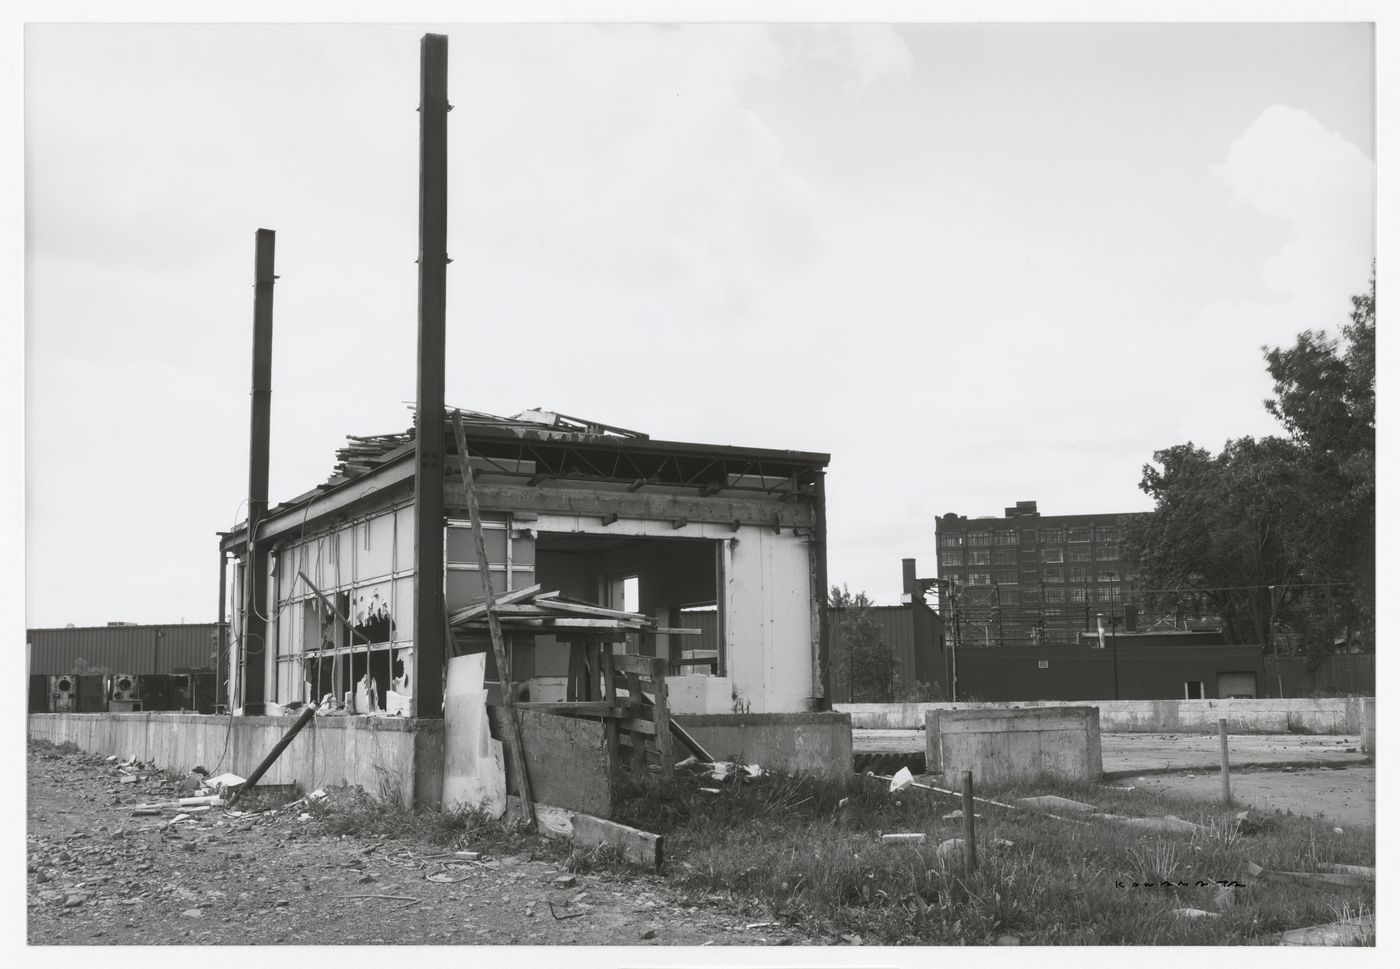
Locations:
column 1297, row 676
column 123, row 649
column 896, row 624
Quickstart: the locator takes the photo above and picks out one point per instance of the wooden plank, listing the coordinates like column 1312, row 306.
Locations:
column 651, row 667
column 582, row 708
column 497, row 643
column 638, row 847
column 568, row 767
column 569, row 622
column 634, row 689
column 593, row 502
column 661, row 713
column 506, row 598
column 574, row 683
column 637, row 725
column 677, row 631
column 588, row 609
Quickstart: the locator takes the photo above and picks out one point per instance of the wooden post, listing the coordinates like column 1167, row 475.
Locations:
column 428, row 570
column 969, row 824
column 605, row 657
column 498, row 645
column 1224, row 761
column 662, row 718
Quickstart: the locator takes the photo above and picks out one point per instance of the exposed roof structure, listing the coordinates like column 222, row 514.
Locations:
column 537, row 447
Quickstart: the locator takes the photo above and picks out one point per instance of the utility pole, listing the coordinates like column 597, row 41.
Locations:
column 429, row 603
column 254, row 638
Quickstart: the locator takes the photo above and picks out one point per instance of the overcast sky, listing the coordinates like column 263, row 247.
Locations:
column 974, row 263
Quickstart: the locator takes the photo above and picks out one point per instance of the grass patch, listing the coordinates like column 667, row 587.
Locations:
column 353, row 811
column 809, row 851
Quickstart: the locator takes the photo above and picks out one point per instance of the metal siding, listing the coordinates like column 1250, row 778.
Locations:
column 123, row 649
column 896, row 625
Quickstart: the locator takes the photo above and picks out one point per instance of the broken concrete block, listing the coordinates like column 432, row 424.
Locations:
column 225, row 781
column 565, row 881
column 1050, row 802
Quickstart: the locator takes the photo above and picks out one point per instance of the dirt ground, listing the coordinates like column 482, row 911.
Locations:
column 97, row 875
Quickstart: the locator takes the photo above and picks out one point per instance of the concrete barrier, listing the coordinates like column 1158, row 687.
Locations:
column 790, row 743
column 388, row 757
column 1015, row 746
column 1331, row 715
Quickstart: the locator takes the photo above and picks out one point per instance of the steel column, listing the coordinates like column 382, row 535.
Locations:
column 254, row 639
column 428, row 585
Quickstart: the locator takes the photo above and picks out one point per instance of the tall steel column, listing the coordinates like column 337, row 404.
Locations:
column 254, row 639
column 428, row 596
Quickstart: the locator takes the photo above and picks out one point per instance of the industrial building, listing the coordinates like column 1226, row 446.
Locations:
column 602, row 514
column 124, row 668
column 1033, row 580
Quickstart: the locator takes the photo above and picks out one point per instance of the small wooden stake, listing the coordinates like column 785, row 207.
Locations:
column 969, row 824
column 1224, row 762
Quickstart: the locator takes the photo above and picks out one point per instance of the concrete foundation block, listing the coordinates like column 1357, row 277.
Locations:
column 1016, row 746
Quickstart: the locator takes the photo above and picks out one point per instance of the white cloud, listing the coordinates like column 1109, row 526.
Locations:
column 1288, row 166
column 865, row 53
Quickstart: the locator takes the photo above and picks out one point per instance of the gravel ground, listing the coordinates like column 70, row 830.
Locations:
column 100, row 875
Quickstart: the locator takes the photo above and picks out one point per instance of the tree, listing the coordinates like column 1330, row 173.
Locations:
column 861, row 659
column 1325, row 398
column 1234, row 529
column 1275, row 532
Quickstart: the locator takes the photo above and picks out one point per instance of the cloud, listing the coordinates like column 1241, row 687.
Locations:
column 865, row 53
column 1288, row 166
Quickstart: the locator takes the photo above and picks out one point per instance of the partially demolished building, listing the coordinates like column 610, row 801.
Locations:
column 603, row 515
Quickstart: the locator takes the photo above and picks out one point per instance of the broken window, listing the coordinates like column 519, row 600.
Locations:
column 344, row 612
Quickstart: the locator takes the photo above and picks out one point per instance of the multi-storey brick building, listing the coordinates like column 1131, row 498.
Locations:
column 1027, row 578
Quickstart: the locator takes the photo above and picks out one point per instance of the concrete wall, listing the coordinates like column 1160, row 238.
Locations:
column 1015, row 746
column 377, row 753
column 1341, row 715
column 789, row 743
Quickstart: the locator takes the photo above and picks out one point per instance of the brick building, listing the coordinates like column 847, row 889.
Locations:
column 1027, row 579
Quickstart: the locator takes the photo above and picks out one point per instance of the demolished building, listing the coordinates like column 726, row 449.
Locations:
column 699, row 537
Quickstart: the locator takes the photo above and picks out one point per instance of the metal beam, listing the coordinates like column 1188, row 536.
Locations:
column 428, row 590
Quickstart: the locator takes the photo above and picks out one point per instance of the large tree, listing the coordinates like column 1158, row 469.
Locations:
column 1278, row 534
column 1325, row 397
